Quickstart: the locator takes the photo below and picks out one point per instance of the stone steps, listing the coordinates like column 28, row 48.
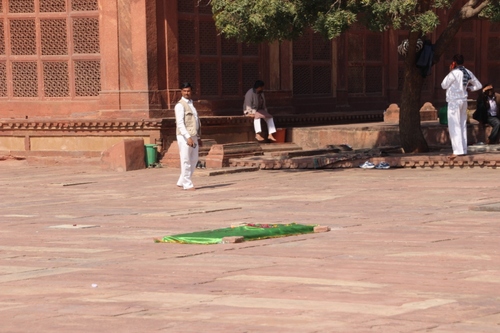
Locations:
column 479, row 156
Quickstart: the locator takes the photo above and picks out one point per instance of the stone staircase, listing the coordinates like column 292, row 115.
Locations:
column 290, row 156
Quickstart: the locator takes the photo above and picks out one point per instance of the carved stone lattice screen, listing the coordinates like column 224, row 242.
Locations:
column 312, row 65
column 49, row 49
column 214, row 65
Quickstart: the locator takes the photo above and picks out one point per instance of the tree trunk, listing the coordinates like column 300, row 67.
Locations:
column 410, row 132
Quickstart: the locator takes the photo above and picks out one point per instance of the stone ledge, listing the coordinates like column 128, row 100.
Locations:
column 172, row 159
column 225, row 171
column 492, row 207
column 220, row 154
column 357, row 157
column 96, row 125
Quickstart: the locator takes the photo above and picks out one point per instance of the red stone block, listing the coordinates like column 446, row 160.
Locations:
column 127, row 155
column 321, row 228
column 233, row 239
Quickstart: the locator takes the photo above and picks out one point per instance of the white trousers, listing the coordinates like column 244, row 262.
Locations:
column 270, row 125
column 457, row 126
column 189, row 158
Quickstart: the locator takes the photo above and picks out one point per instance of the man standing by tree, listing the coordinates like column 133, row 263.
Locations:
column 456, row 83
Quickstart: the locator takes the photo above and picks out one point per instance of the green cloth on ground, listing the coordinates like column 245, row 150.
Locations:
column 248, row 232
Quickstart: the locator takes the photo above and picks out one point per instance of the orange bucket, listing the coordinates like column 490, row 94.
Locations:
column 280, row 135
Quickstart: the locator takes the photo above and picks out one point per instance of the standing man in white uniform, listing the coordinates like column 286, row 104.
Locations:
column 188, row 132
column 456, row 83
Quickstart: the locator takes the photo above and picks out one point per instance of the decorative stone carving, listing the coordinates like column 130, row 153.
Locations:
column 391, row 115
column 428, row 112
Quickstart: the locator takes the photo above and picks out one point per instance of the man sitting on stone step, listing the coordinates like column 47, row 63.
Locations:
column 488, row 111
column 255, row 106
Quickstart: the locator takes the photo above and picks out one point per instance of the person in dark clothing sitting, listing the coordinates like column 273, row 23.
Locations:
column 488, row 111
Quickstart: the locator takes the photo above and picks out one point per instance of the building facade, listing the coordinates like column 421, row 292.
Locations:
column 98, row 60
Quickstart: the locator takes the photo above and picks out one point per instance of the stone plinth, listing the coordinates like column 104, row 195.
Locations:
column 127, row 155
column 391, row 115
column 428, row 112
column 219, row 155
column 171, row 158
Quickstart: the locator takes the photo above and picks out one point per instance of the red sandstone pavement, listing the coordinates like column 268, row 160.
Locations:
column 405, row 254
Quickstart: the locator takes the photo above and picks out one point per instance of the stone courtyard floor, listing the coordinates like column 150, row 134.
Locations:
column 410, row 250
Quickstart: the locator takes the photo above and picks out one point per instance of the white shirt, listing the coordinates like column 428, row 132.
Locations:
column 493, row 106
column 179, row 117
column 454, row 86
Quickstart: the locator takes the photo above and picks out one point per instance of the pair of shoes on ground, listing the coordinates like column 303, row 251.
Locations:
column 370, row 165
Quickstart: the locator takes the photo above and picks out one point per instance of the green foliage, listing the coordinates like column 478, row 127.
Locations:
column 266, row 20
column 425, row 22
column 492, row 11
column 332, row 24
column 442, row 4
column 269, row 20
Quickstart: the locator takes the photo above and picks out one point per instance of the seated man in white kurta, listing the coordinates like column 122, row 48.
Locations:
column 255, row 106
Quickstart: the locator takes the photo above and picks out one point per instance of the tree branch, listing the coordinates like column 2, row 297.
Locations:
column 468, row 11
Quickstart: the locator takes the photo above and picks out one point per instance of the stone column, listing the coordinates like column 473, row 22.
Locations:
column 108, row 33
column 274, row 66
column 172, row 52
column 341, row 68
column 392, row 67
column 286, row 65
column 133, row 65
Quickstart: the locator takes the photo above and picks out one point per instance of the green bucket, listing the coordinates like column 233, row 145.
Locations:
column 443, row 115
column 151, row 154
